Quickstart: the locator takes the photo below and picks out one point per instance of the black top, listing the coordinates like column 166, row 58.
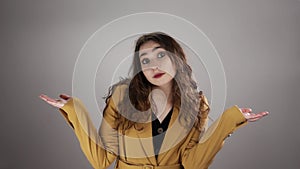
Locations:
column 158, row 131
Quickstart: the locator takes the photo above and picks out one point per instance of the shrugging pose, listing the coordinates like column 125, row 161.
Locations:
column 157, row 118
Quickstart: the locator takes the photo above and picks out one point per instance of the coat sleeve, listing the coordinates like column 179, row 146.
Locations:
column 201, row 154
column 91, row 143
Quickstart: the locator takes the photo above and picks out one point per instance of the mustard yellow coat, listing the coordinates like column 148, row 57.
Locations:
column 134, row 148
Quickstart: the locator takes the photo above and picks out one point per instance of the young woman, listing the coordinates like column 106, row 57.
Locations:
column 157, row 118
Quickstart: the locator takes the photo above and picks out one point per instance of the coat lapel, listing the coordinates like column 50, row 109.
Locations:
column 175, row 133
column 146, row 141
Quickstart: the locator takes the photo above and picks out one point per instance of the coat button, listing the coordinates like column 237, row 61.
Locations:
column 160, row 130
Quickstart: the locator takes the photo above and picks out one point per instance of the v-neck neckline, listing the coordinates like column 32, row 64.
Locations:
column 168, row 117
column 159, row 131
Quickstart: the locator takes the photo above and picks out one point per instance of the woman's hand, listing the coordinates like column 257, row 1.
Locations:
column 59, row 103
column 252, row 117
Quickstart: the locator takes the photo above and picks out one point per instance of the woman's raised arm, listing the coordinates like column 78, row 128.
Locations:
column 91, row 143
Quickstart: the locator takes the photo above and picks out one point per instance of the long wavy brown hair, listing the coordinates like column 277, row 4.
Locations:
column 192, row 105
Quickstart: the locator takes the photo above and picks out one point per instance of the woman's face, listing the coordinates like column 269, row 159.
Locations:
column 156, row 64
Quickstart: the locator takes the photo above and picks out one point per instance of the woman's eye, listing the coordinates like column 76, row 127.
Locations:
column 161, row 54
column 145, row 61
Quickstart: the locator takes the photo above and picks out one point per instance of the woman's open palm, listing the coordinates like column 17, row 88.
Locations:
column 252, row 117
column 59, row 103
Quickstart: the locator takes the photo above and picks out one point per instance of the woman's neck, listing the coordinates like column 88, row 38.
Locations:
column 166, row 89
column 162, row 99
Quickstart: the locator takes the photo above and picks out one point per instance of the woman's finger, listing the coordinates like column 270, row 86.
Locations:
column 65, row 96
column 264, row 113
column 252, row 117
column 246, row 110
column 46, row 98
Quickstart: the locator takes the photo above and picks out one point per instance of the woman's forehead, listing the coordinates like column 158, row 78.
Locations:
column 149, row 47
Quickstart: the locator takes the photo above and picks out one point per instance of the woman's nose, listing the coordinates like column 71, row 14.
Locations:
column 155, row 68
column 156, row 64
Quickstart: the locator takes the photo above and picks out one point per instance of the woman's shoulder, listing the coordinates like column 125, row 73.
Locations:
column 204, row 104
column 204, row 111
column 120, row 86
column 118, row 91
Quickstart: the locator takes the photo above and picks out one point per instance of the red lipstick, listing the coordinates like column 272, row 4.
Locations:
column 158, row 75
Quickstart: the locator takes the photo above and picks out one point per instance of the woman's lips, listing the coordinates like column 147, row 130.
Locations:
column 158, row 75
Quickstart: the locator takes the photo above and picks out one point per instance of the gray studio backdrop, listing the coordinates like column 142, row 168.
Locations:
column 258, row 43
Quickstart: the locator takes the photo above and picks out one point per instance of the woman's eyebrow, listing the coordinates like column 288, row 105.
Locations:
column 155, row 48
